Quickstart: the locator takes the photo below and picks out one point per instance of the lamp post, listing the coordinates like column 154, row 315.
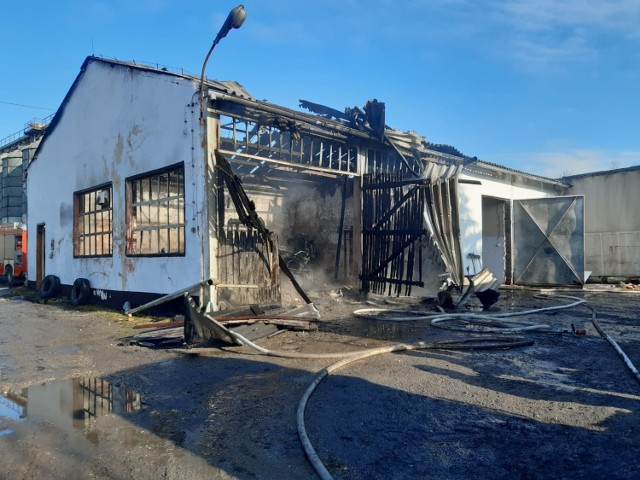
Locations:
column 235, row 19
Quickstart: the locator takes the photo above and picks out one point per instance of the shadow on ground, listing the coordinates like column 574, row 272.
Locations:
column 565, row 408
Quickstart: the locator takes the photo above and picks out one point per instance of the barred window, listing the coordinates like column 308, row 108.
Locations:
column 155, row 213
column 93, row 222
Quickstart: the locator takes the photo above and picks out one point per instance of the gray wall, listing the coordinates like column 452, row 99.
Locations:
column 612, row 222
column 12, row 190
column 13, row 163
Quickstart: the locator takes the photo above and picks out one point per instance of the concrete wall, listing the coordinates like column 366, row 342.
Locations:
column 612, row 223
column 493, row 185
column 117, row 123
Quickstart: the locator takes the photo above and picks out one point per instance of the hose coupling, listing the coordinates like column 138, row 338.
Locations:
column 578, row 331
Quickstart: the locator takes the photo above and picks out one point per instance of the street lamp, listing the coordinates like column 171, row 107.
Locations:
column 235, row 19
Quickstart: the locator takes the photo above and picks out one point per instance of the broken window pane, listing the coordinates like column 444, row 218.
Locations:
column 155, row 214
column 93, row 225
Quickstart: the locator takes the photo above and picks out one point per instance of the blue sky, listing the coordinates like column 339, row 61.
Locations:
column 551, row 87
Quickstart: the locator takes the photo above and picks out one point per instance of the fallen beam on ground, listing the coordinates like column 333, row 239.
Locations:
column 171, row 296
column 179, row 323
column 201, row 327
column 289, row 323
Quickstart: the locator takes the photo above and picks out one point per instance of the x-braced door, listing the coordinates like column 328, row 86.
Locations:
column 548, row 241
column 393, row 230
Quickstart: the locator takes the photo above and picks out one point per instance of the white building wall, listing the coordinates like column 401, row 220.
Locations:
column 118, row 122
column 495, row 185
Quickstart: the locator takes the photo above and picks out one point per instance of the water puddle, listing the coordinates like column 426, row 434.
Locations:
column 69, row 404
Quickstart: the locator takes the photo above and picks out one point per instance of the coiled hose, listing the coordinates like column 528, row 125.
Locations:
column 493, row 323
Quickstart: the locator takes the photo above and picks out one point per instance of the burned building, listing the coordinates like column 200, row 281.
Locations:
column 145, row 183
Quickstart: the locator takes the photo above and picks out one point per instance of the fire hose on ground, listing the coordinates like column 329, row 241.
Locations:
column 495, row 323
column 350, row 357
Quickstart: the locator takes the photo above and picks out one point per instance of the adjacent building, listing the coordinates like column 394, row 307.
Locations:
column 612, row 225
column 16, row 152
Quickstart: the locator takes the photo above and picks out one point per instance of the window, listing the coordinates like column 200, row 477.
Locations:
column 93, row 222
column 155, row 213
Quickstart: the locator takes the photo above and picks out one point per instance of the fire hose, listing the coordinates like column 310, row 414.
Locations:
column 350, row 357
column 495, row 323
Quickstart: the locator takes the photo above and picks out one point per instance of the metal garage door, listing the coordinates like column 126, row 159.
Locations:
column 548, row 241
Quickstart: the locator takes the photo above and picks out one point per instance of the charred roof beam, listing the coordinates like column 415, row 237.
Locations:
column 255, row 110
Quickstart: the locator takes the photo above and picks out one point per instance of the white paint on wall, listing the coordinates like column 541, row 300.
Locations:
column 497, row 185
column 118, row 122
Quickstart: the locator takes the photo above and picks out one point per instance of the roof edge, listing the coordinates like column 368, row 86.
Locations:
column 60, row 111
column 603, row 172
column 513, row 171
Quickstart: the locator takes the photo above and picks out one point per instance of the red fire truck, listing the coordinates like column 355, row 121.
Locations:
column 13, row 253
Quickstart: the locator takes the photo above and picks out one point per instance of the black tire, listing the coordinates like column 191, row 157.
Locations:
column 8, row 271
column 49, row 287
column 80, row 292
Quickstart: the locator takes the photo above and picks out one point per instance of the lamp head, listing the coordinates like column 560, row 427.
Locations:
column 235, row 19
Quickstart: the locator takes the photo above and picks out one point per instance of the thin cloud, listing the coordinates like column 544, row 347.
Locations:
column 538, row 36
column 534, row 36
column 551, row 55
column 618, row 15
column 575, row 162
column 551, row 34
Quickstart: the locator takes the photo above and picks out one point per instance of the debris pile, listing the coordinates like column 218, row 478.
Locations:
column 629, row 286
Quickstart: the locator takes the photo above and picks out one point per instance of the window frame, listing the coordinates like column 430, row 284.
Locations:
column 131, row 207
column 78, row 221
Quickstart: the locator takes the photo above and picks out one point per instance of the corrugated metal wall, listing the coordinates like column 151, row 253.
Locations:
column 11, row 206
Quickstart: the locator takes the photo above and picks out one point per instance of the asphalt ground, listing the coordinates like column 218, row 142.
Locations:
column 564, row 407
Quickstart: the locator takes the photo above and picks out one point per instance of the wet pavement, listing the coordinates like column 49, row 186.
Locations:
column 77, row 403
